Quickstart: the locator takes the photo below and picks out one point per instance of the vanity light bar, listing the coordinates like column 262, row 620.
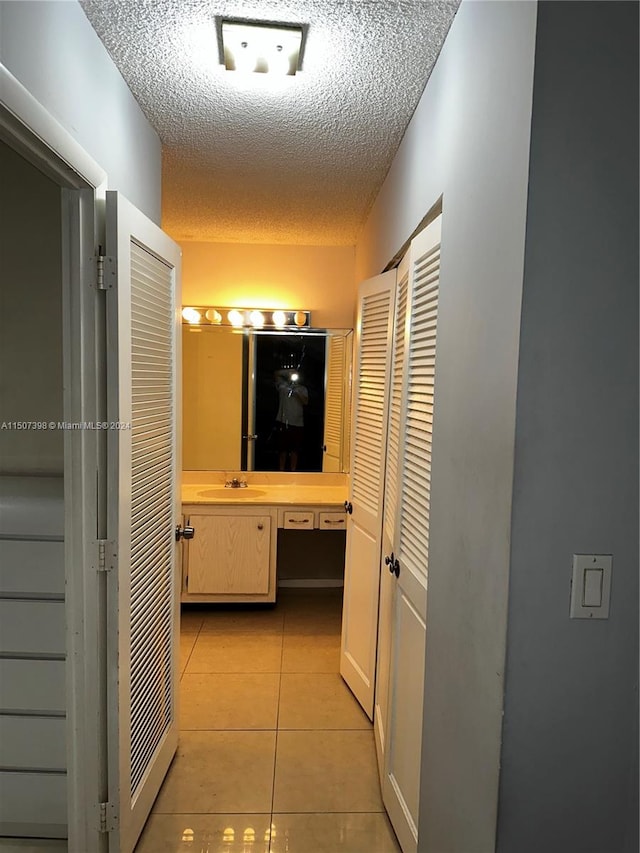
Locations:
column 246, row 318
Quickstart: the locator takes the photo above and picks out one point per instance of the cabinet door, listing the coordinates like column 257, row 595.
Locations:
column 364, row 529
column 401, row 778
column 230, row 554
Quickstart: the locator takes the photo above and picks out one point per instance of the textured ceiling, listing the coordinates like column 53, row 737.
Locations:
column 296, row 161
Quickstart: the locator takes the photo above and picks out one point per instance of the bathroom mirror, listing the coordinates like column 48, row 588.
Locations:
column 244, row 392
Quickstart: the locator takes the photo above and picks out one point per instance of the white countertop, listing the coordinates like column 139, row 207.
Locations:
column 265, row 495
column 265, row 489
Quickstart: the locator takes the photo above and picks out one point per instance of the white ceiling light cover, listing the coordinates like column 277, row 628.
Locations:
column 261, row 48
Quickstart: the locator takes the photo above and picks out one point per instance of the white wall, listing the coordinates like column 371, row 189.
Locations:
column 30, row 317
column 320, row 279
column 469, row 141
column 569, row 777
column 53, row 51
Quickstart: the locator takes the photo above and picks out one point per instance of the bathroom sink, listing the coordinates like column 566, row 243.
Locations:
column 232, row 494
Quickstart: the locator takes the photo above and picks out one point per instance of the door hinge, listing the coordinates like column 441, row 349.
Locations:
column 108, row 817
column 105, row 271
column 104, row 564
column 100, row 272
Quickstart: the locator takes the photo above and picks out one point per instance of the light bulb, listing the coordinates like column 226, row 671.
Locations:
column 279, row 318
column 300, row 318
column 235, row 317
column 191, row 315
column 213, row 316
column 257, row 319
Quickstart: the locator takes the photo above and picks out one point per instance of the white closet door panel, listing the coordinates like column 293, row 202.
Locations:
column 32, row 507
column 30, row 800
column 411, row 540
column 143, row 601
column 32, row 627
column 374, row 332
column 391, row 491
column 32, row 685
column 359, row 628
column 33, row 742
column 31, row 568
column 401, row 785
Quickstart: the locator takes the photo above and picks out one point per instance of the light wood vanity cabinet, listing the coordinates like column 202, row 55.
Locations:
column 232, row 556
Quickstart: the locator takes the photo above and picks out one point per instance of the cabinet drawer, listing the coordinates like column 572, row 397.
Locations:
column 332, row 521
column 296, row 520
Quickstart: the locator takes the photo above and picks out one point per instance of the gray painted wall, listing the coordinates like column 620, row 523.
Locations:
column 570, row 751
column 51, row 48
column 469, row 142
column 30, row 316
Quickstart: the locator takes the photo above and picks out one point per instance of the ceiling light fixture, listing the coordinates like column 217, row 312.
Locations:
column 261, row 47
column 255, row 318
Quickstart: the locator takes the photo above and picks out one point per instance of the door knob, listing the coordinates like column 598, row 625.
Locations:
column 394, row 565
column 348, row 507
column 186, row 532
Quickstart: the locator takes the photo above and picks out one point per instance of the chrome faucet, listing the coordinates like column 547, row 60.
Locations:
column 235, row 483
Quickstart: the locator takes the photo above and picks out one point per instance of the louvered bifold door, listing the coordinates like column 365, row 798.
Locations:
column 374, row 330
column 391, row 492
column 401, row 780
column 142, row 279
column 334, row 403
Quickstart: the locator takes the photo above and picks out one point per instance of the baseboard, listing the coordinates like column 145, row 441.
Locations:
column 311, row 583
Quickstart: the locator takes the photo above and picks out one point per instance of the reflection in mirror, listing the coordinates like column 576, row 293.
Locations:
column 257, row 400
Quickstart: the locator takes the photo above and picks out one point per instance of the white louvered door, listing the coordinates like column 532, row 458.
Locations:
column 334, row 403
column 391, row 493
column 374, row 329
column 401, row 777
column 143, row 305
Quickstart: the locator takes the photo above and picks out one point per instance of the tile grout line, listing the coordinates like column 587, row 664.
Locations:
column 277, row 730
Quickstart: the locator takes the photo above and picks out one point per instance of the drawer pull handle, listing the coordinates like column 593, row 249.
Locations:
column 335, row 521
column 299, row 520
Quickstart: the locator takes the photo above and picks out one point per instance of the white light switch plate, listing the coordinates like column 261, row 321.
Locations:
column 591, row 580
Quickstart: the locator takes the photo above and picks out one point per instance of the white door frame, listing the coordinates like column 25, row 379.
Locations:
column 27, row 127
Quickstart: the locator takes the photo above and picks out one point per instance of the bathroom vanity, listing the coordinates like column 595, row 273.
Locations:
column 232, row 556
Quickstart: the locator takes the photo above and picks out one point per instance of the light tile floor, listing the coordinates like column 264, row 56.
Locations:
column 275, row 754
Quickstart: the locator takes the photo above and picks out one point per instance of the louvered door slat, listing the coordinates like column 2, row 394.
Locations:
column 418, row 428
column 395, row 404
column 151, row 561
column 370, row 393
